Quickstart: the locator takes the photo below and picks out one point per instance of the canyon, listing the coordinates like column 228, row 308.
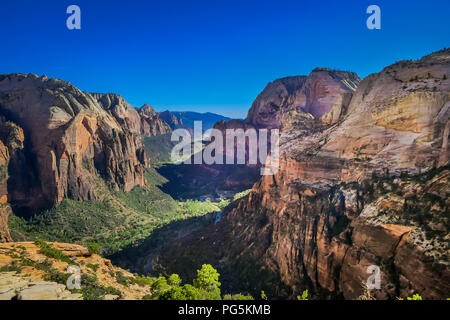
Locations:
column 363, row 180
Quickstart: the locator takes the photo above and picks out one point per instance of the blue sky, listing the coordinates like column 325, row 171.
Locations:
column 214, row 55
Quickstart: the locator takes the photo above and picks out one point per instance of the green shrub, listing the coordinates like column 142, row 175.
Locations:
column 174, row 293
column 93, row 247
column 51, row 252
column 13, row 266
column 160, row 284
column 186, row 292
column 120, row 278
column 174, row 280
column 92, row 290
column 45, row 265
column 94, row 267
column 142, row 281
column 304, row 296
column 208, row 280
column 206, row 287
column 238, row 296
column 114, row 291
column 263, row 295
column 53, row 275
column 414, row 297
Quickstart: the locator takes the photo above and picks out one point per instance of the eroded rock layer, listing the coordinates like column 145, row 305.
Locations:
column 320, row 99
column 367, row 187
column 69, row 136
column 35, row 275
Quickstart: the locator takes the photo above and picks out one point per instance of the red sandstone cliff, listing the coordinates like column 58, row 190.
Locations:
column 11, row 142
column 151, row 122
column 320, row 98
column 370, row 186
column 69, row 139
column 324, row 94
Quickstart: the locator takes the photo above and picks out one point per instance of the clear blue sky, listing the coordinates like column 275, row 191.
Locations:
column 214, row 55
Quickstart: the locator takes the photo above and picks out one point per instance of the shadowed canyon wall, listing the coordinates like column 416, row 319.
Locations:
column 365, row 183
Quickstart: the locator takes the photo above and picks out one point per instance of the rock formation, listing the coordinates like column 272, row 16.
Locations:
column 11, row 147
column 36, row 276
column 325, row 94
column 364, row 180
column 320, row 98
column 151, row 122
column 69, row 137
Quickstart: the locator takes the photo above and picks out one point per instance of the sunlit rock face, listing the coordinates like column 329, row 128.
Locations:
column 309, row 103
column 325, row 94
column 69, row 136
column 369, row 186
column 398, row 118
column 151, row 122
column 396, row 124
column 33, row 283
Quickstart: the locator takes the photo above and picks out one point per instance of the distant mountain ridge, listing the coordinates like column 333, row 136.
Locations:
column 363, row 181
column 185, row 119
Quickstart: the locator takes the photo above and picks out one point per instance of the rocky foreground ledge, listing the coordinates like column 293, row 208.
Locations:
column 38, row 271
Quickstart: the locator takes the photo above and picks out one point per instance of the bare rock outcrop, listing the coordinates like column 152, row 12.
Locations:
column 303, row 102
column 375, row 211
column 69, row 137
column 151, row 122
column 11, row 151
column 368, row 187
column 398, row 118
column 325, row 94
column 35, row 275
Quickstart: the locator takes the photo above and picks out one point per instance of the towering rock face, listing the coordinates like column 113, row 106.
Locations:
column 127, row 116
column 317, row 100
column 69, row 137
column 143, row 122
column 347, row 202
column 372, row 189
column 148, row 111
column 11, row 145
column 399, row 118
column 324, row 93
column 151, row 122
